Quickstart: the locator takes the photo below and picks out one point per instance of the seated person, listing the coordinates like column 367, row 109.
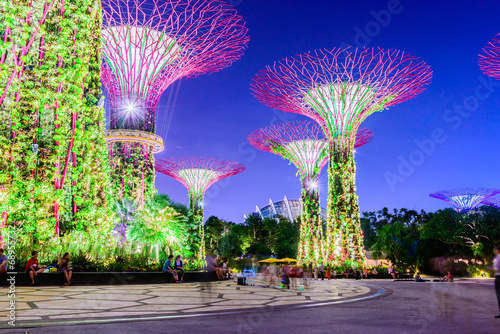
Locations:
column 365, row 273
column 179, row 268
column 448, row 278
column 417, row 277
column 168, row 268
column 3, row 262
column 32, row 267
column 394, row 273
column 374, row 271
column 63, row 268
column 226, row 271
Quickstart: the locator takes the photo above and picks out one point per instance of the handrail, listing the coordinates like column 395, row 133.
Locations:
column 129, row 135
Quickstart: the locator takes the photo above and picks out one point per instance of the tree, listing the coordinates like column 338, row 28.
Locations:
column 478, row 229
column 158, row 225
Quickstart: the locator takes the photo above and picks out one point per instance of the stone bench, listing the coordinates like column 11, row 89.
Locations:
column 107, row 278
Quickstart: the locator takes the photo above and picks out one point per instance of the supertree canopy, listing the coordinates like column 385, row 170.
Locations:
column 465, row 199
column 339, row 89
column 303, row 144
column 489, row 62
column 147, row 46
column 52, row 149
column 197, row 174
column 492, row 201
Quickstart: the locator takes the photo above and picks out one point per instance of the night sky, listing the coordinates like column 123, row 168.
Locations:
column 456, row 117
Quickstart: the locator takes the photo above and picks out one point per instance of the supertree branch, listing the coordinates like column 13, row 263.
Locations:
column 148, row 45
column 495, row 201
column 489, row 62
column 465, row 199
column 339, row 89
column 197, row 174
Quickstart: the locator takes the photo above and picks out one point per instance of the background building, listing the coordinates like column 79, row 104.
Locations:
column 288, row 208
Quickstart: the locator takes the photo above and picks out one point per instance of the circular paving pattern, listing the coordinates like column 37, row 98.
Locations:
column 87, row 304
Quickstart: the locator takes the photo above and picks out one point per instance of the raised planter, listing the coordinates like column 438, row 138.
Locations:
column 108, row 278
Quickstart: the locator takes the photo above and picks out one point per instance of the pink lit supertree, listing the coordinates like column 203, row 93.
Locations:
column 339, row 89
column 465, row 199
column 489, row 62
column 197, row 174
column 303, row 144
column 147, row 45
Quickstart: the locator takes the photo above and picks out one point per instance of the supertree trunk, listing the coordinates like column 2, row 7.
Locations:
column 311, row 225
column 198, row 234
column 344, row 237
column 132, row 170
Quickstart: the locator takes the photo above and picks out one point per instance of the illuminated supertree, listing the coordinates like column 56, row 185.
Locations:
column 304, row 145
column 489, row 63
column 147, row 45
column 465, row 199
column 339, row 89
column 197, row 174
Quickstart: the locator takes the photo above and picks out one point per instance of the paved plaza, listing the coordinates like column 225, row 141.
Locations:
column 42, row 305
column 380, row 306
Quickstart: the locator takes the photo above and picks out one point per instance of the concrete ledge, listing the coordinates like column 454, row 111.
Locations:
column 107, row 278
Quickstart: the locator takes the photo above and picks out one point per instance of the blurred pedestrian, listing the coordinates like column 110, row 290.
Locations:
column 496, row 265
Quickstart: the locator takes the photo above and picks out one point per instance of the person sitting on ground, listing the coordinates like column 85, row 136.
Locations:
column 179, row 268
column 394, row 273
column 374, row 271
column 448, row 277
column 3, row 262
column 32, row 267
column 168, row 268
column 63, row 267
column 417, row 277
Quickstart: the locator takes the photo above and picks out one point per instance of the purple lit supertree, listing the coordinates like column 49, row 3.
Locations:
column 465, row 199
column 197, row 174
column 489, row 63
column 339, row 89
column 147, row 45
column 303, row 144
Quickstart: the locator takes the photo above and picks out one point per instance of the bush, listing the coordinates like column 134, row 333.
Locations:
column 479, row 270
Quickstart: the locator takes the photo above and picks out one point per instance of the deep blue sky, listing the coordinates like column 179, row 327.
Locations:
column 214, row 114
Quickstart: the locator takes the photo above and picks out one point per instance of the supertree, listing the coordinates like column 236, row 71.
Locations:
column 303, row 144
column 149, row 44
column 197, row 174
column 465, row 199
column 339, row 89
column 489, row 62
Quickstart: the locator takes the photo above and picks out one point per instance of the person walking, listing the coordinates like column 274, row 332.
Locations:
column 496, row 266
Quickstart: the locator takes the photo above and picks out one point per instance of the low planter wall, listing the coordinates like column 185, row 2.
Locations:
column 107, row 278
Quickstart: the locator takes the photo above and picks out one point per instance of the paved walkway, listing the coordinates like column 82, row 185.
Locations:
column 44, row 305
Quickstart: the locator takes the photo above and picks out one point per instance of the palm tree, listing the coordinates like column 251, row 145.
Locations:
column 159, row 225
column 124, row 209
